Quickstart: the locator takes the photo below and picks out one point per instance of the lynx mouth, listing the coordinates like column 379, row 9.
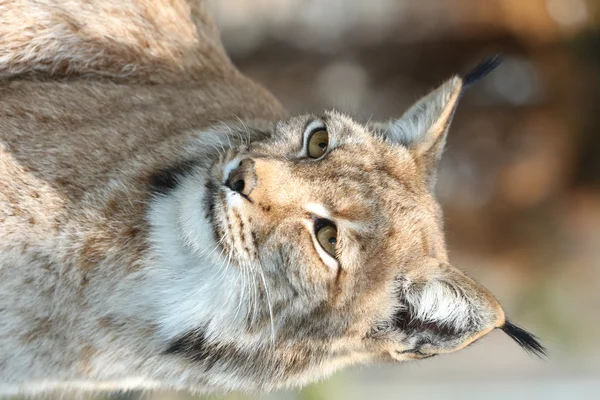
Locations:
column 529, row 342
column 229, row 226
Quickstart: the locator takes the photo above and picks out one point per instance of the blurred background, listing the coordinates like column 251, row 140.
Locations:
column 520, row 181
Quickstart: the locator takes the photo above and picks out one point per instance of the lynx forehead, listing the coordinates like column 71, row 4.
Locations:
column 165, row 223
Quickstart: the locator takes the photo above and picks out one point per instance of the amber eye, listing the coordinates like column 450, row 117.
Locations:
column 317, row 143
column 326, row 235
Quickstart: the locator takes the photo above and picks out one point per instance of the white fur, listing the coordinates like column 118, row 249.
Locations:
column 230, row 166
column 46, row 386
column 438, row 302
column 318, row 210
column 194, row 283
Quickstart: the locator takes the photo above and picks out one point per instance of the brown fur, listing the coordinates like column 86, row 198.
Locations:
column 99, row 100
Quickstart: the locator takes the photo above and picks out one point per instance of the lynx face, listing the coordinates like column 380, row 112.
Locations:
column 337, row 236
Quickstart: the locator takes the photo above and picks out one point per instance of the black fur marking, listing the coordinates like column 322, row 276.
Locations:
column 194, row 347
column 209, row 200
column 525, row 339
column 406, row 323
column 165, row 180
column 481, row 70
column 191, row 340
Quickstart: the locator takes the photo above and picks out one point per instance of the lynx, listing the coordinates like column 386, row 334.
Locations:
column 165, row 224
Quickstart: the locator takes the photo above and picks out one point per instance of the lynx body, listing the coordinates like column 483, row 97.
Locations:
column 164, row 223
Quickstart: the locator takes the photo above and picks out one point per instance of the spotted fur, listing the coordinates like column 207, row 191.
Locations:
column 128, row 262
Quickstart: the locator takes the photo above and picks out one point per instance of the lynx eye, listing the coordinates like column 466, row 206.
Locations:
column 326, row 235
column 317, row 143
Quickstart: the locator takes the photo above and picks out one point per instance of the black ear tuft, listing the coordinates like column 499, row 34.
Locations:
column 482, row 70
column 525, row 339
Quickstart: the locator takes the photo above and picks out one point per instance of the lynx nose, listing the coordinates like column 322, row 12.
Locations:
column 243, row 178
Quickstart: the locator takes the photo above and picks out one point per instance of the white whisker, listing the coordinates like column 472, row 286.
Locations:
column 262, row 275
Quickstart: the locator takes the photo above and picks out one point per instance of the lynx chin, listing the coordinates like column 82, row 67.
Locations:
column 165, row 224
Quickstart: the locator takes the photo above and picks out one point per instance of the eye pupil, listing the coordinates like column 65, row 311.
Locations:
column 317, row 143
column 326, row 233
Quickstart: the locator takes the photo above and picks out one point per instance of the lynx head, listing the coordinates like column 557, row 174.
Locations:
column 331, row 242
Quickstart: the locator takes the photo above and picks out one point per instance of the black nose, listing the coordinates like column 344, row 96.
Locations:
column 243, row 178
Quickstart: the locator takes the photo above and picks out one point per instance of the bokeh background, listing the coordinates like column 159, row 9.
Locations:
column 520, row 181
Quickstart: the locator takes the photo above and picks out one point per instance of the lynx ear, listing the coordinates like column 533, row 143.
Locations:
column 424, row 126
column 442, row 310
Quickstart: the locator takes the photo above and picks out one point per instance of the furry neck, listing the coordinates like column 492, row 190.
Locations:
column 111, row 326
column 193, row 285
